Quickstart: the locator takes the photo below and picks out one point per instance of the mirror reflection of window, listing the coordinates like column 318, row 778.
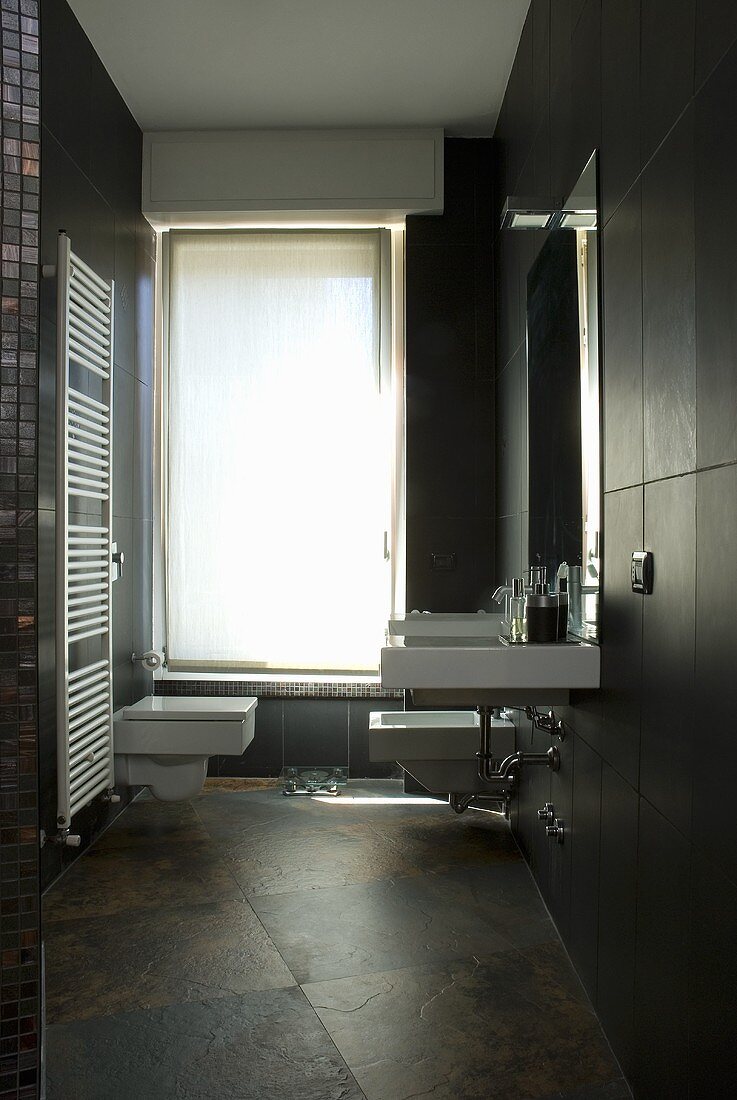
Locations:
column 564, row 403
column 590, row 427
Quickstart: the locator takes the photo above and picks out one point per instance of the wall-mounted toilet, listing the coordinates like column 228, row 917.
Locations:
column 164, row 743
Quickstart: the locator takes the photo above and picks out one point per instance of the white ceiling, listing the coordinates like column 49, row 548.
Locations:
column 266, row 64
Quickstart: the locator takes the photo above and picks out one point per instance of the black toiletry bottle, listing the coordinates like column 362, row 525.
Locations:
column 562, row 608
column 542, row 616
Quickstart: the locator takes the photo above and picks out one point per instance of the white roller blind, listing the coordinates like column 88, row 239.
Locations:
column 278, row 463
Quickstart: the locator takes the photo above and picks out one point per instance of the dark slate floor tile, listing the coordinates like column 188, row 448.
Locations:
column 274, row 859
column 150, row 876
column 464, row 1030
column 360, row 929
column 504, row 897
column 443, row 841
column 149, row 821
column 613, row 1090
column 268, row 1045
column 358, row 802
column 106, row 965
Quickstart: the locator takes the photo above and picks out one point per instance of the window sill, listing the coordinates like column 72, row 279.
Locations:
column 287, row 686
column 266, row 678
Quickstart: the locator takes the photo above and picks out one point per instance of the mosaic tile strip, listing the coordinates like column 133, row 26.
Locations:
column 276, row 689
column 19, row 882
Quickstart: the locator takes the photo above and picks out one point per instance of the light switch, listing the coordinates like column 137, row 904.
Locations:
column 642, row 572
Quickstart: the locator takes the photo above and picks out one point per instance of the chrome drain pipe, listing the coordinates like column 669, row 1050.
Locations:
column 491, row 771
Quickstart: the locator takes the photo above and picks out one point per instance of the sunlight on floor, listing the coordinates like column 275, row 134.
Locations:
column 379, row 800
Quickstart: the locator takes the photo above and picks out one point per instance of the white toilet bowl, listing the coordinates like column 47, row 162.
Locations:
column 164, row 743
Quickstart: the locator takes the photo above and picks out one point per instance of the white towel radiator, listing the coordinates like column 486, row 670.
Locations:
column 84, row 473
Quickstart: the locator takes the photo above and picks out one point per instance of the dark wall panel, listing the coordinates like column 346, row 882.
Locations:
column 652, row 84
column 622, row 394
column 449, row 388
column 715, row 158
column 661, row 978
column 615, row 991
column 90, row 188
column 716, row 663
column 668, row 303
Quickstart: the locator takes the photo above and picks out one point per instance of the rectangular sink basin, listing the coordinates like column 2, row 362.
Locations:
column 426, row 624
column 461, row 672
column 437, row 747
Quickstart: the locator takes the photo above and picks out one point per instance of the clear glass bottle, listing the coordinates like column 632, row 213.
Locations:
column 517, row 624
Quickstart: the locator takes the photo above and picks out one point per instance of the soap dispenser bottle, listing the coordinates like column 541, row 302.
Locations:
column 562, row 579
column 542, row 616
column 517, row 627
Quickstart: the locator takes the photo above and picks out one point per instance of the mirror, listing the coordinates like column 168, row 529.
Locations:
column 563, row 404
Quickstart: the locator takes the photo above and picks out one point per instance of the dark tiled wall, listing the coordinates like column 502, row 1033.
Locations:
column 19, row 819
column 450, row 389
column 644, row 890
column 91, row 188
column 300, row 724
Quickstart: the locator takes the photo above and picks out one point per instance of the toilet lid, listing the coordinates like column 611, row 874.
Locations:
column 183, row 708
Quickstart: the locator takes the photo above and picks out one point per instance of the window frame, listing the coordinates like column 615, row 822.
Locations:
column 391, row 375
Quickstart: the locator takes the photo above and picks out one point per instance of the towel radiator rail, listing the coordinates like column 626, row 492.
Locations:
column 84, row 484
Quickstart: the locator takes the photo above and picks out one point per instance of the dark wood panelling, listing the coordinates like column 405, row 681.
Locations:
column 620, row 100
column 622, row 394
column 716, row 270
column 561, row 795
column 449, row 388
column 712, row 983
column 621, row 656
column 665, row 84
column 669, row 367
column 716, row 664
column 668, row 697
column 584, row 837
column 661, row 982
column 716, row 30
column 615, row 994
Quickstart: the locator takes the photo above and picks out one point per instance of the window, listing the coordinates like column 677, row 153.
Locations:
column 279, row 450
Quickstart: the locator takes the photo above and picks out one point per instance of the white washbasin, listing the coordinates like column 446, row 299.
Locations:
column 436, row 624
column 462, row 671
